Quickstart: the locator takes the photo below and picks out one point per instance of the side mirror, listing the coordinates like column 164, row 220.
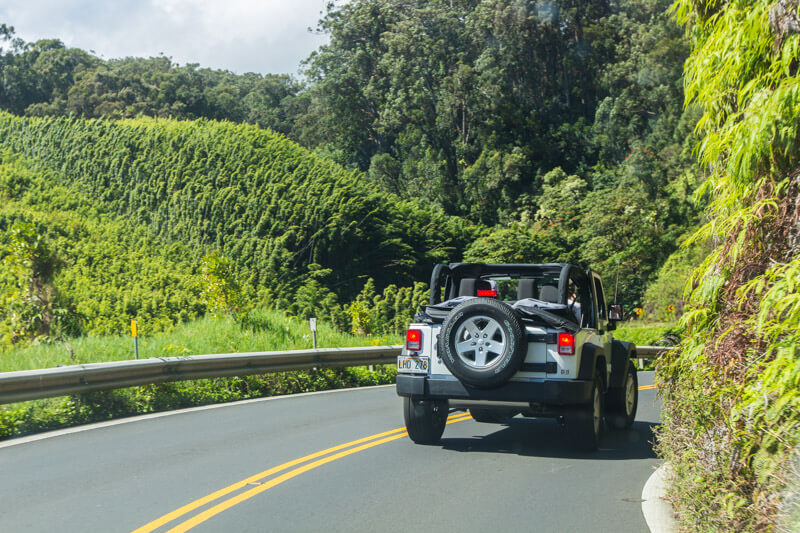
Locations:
column 615, row 312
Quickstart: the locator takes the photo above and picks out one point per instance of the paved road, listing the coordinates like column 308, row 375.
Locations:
column 482, row 477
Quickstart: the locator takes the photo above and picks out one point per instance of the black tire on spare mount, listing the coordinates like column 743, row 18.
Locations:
column 483, row 342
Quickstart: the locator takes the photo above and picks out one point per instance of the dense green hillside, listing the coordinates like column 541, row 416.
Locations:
column 266, row 202
column 131, row 207
column 99, row 268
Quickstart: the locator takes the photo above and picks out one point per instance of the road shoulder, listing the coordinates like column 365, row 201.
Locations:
column 657, row 511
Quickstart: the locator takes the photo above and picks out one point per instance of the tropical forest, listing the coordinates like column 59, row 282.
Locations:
column 654, row 142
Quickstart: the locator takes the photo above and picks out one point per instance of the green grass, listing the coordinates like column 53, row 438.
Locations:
column 645, row 333
column 259, row 331
column 263, row 330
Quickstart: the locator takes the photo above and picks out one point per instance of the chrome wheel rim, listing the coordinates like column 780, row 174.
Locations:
column 480, row 342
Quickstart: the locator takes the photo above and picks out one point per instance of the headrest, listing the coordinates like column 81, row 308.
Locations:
column 526, row 289
column 549, row 293
column 471, row 286
column 466, row 287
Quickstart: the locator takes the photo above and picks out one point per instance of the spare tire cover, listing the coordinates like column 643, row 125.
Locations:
column 483, row 342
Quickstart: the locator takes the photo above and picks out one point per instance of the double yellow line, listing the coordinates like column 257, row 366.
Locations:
column 293, row 469
column 261, row 484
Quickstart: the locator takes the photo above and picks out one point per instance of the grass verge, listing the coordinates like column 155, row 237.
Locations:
column 261, row 331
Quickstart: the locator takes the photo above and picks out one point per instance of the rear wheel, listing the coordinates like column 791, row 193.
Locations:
column 425, row 419
column 623, row 401
column 585, row 423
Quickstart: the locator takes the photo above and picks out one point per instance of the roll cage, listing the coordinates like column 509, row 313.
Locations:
column 446, row 281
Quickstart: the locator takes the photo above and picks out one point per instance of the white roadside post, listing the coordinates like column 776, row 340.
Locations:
column 312, row 322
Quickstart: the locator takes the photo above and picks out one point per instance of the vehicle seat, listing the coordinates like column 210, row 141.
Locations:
column 471, row 286
column 549, row 293
column 526, row 289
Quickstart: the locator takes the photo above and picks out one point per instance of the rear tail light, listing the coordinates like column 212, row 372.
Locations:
column 414, row 340
column 566, row 344
column 488, row 293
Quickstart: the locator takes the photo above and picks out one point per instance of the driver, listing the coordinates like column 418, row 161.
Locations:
column 574, row 303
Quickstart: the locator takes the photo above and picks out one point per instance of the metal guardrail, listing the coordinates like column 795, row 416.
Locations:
column 61, row 381
column 35, row 384
column 652, row 352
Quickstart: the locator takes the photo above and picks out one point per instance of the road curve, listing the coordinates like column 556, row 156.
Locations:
column 335, row 461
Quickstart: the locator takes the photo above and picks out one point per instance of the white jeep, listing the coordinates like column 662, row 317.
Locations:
column 504, row 339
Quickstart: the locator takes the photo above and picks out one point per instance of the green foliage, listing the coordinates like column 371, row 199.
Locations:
column 563, row 121
column 258, row 330
column 220, row 290
column 626, row 235
column 360, row 318
column 670, row 284
column 47, row 78
column 469, row 103
column 389, row 312
column 77, row 268
column 395, row 308
column 559, row 204
column 28, row 269
column 468, row 107
column 620, row 232
column 732, row 395
column 273, row 208
column 518, row 243
column 648, row 334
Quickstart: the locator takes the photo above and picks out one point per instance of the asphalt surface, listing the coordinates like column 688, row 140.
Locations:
column 524, row 476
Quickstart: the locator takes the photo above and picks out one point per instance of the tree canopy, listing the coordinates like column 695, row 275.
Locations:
column 563, row 120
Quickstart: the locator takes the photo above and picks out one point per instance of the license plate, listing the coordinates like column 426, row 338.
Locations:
column 413, row 364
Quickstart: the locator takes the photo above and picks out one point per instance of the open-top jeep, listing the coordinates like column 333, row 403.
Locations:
column 503, row 339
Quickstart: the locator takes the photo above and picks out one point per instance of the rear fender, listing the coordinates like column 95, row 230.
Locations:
column 621, row 353
column 590, row 353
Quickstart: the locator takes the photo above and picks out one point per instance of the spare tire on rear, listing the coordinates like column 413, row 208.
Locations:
column 483, row 342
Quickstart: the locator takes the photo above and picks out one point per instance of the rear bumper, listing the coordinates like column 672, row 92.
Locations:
column 549, row 392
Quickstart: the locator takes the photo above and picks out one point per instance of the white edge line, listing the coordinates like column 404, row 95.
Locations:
column 657, row 511
column 98, row 425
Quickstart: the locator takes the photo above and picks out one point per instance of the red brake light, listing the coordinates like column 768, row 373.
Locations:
column 566, row 344
column 414, row 339
column 488, row 293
